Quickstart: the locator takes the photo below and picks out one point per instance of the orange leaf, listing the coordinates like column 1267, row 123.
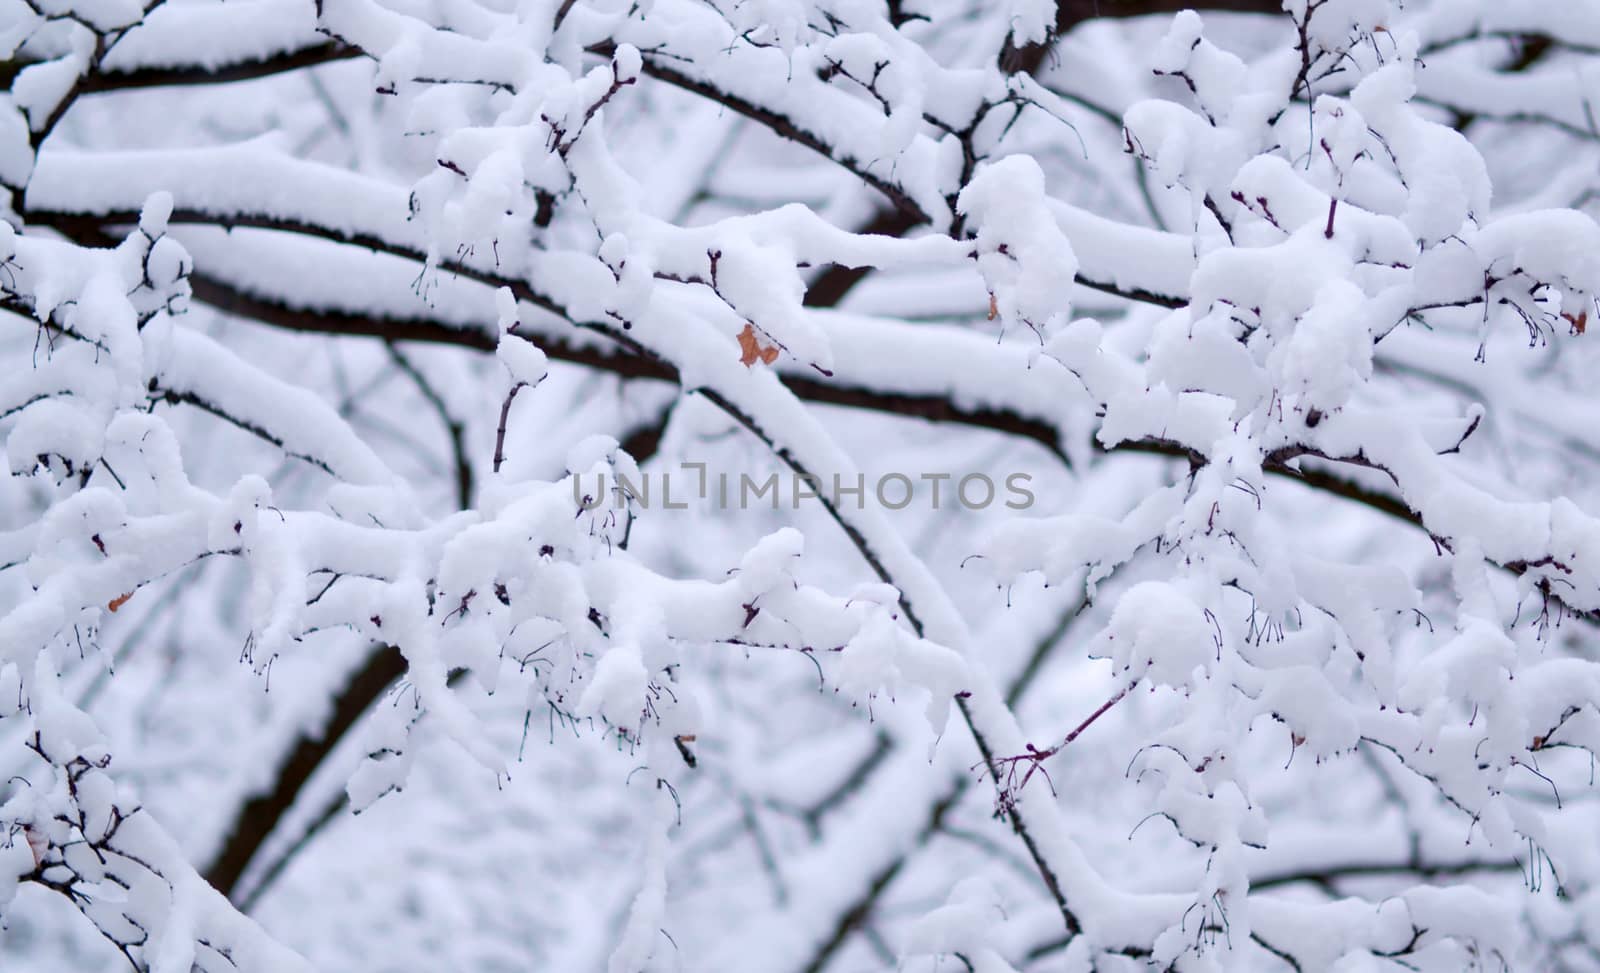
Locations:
column 37, row 843
column 994, row 308
column 751, row 348
column 119, row 601
column 1578, row 323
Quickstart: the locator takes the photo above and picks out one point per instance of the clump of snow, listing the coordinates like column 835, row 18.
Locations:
column 16, row 153
column 616, row 691
column 1157, row 633
column 156, row 212
column 1025, row 259
column 522, row 359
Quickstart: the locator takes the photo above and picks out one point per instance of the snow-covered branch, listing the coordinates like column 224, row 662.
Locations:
column 453, row 450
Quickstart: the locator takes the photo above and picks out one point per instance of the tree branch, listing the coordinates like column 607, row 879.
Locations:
column 196, row 74
column 453, row 427
column 1071, row 13
column 259, row 817
column 858, row 913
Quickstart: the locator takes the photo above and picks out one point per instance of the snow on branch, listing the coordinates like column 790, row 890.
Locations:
column 1247, row 275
